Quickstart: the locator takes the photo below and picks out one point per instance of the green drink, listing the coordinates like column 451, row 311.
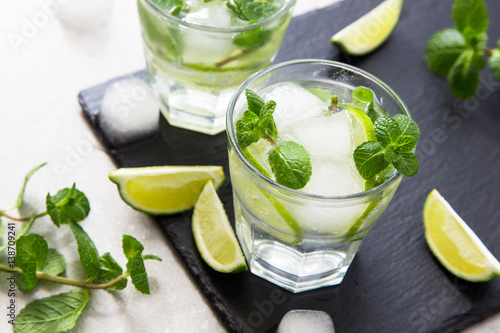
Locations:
column 198, row 53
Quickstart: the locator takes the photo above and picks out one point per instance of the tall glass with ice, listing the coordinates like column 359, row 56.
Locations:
column 198, row 52
column 306, row 239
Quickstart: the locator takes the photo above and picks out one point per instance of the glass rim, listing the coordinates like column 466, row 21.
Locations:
column 283, row 11
column 296, row 193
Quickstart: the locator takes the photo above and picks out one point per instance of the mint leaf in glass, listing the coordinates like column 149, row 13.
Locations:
column 57, row 313
column 267, row 120
column 387, row 130
column 406, row 164
column 68, row 204
column 405, row 144
column 253, row 39
column 463, row 77
column 471, row 17
column 369, row 159
column 253, row 10
column 31, row 253
column 290, row 164
column 362, row 98
column 254, row 101
column 248, row 129
column 89, row 257
column 443, row 49
column 408, row 126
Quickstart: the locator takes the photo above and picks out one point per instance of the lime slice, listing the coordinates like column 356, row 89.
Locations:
column 164, row 190
column 213, row 234
column 454, row 244
column 362, row 127
column 371, row 30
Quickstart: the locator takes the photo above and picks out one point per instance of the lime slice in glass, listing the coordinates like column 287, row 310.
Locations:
column 213, row 234
column 454, row 244
column 164, row 190
column 371, row 30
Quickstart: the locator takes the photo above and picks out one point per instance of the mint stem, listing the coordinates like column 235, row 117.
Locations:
column 488, row 51
column 334, row 102
column 66, row 281
column 21, row 219
column 270, row 139
column 233, row 58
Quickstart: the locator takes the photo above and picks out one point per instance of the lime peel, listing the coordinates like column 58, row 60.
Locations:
column 371, row 30
column 454, row 243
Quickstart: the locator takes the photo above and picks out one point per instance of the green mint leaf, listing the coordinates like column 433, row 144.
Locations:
column 408, row 126
column 254, row 10
column 151, row 257
column 369, row 159
column 362, row 98
column 132, row 249
column 290, row 164
column 254, row 101
column 385, row 175
column 31, row 253
column 405, row 144
column 390, row 153
column 387, row 131
column 110, row 270
column 324, row 95
column 58, row 313
column 89, row 257
column 253, row 39
column 267, row 120
column 443, row 49
column 463, row 77
column 68, row 204
column 471, row 17
column 494, row 63
column 20, row 197
column 248, row 129
column 55, row 264
column 406, row 164
column 173, row 7
column 131, row 246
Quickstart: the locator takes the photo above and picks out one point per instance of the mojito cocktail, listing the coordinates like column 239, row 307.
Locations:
column 301, row 220
column 198, row 53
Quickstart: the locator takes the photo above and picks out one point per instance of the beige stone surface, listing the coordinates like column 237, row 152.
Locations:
column 41, row 121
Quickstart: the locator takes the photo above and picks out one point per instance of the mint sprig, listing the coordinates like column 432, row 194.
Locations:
column 290, row 162
column 396, row 137
column 459, row 53
column 34, row 260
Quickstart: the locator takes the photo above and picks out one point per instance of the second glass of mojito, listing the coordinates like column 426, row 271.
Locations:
column 198, row 52
column 306, row 238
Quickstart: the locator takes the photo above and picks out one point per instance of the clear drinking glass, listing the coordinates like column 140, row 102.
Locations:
column 296, row 240
column 195, row 69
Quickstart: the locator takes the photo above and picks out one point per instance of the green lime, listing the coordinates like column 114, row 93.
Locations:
column 362, row 127
column 455, row 245
column 164, row 190
column 371, row 30
column 213, row 234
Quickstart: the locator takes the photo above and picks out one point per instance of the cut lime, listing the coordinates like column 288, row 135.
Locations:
column 164, row 190
column 362, row 127
column 213, row 234
column 371, row 30
column 454, row 244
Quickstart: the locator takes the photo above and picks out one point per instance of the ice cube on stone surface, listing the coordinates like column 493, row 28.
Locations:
column 129, row 112
column 306, row 321
column 324, row 136
column 293, row 104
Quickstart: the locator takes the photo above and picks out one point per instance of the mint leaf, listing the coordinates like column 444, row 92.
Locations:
column 443, row 49
column 406, row 164
column 267, row 120
column 132, row 249
column 405, row 144
column 19, row 202
column 471, row 17
column 110, row 270
column 253, row 39
column 253, row 10
column 385, row 175
column 390, row 153
column 290, row 164
column 89, row 257
column 369, row 159
column 248, row 129
column 254, row 101
column 31, row 253
column 408, row 126
column 151, row 257
column 173, row 7
column 463, row 77
column 362, row 98
column 387, row 131
column 494, row 63
column 68, row 204
column 55, row 263
column 57, row 313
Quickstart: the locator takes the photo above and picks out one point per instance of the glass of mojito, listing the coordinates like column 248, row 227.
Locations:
column 198, row 52
column 297, row 135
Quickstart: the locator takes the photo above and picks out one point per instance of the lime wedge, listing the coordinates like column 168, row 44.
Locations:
column 371, row 30
column 164, row 190
column 454, row 244
column 362, row 127
column 213, row 234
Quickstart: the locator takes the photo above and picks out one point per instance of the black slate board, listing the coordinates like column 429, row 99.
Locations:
column 394, row 283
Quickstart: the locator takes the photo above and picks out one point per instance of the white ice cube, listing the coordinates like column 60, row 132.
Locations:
column 306, row 321
column 324, row 136
column 293, row 104
column 129, row 111
column 212, row 14
column 83, row 15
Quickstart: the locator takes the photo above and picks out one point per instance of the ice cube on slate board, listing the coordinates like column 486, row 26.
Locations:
column 129, row 112
column 306, row 321
column 82, row 15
